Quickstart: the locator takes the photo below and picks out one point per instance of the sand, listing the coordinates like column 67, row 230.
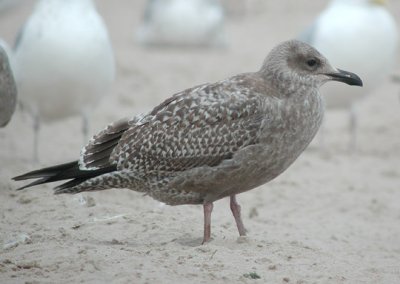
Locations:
column 332, row 217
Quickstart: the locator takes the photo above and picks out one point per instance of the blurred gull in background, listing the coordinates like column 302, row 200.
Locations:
column 8, row 89
column 182, row 23
column 64, row 61
column 359, row 35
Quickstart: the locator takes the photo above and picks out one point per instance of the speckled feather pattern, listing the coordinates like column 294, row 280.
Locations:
column 206, row 142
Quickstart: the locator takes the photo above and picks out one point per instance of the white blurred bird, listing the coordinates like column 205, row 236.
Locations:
column 64, row 61
column 360, row 35
column 182, row 23
column 8, row 89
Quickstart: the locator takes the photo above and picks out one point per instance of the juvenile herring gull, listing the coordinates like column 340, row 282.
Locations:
column 64, row 61
column 210, row 141
column 8, row 89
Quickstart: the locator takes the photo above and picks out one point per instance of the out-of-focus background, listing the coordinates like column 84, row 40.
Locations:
column 333, row 217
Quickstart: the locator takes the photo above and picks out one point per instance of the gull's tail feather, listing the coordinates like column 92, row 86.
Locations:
column 68, row 171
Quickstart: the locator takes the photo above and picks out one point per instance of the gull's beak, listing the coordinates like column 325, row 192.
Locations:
column 346, row 77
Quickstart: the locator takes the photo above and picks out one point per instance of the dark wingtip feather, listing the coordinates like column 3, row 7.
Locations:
column 45, row 172
column 36, row 182
column 69, row 171
column 63, row 188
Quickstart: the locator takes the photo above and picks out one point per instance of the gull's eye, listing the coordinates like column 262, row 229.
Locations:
column 312, row 62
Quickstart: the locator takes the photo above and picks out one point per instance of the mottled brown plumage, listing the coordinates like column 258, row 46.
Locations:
column 213, row 140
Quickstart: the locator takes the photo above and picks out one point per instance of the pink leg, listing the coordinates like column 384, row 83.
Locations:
column 208, row 207
column 235, row 207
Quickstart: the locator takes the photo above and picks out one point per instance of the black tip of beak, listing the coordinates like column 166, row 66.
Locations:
column 346, row 77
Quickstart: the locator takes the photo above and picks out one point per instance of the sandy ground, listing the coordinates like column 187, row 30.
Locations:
column 333, row 217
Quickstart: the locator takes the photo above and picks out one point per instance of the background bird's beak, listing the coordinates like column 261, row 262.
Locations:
column 379, row 2
column 346, row 77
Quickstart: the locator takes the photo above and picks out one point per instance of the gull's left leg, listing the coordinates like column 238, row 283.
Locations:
column 208, row 207
column 235, row 207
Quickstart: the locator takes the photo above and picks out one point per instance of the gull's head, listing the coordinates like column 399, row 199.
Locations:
column 299, row 64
